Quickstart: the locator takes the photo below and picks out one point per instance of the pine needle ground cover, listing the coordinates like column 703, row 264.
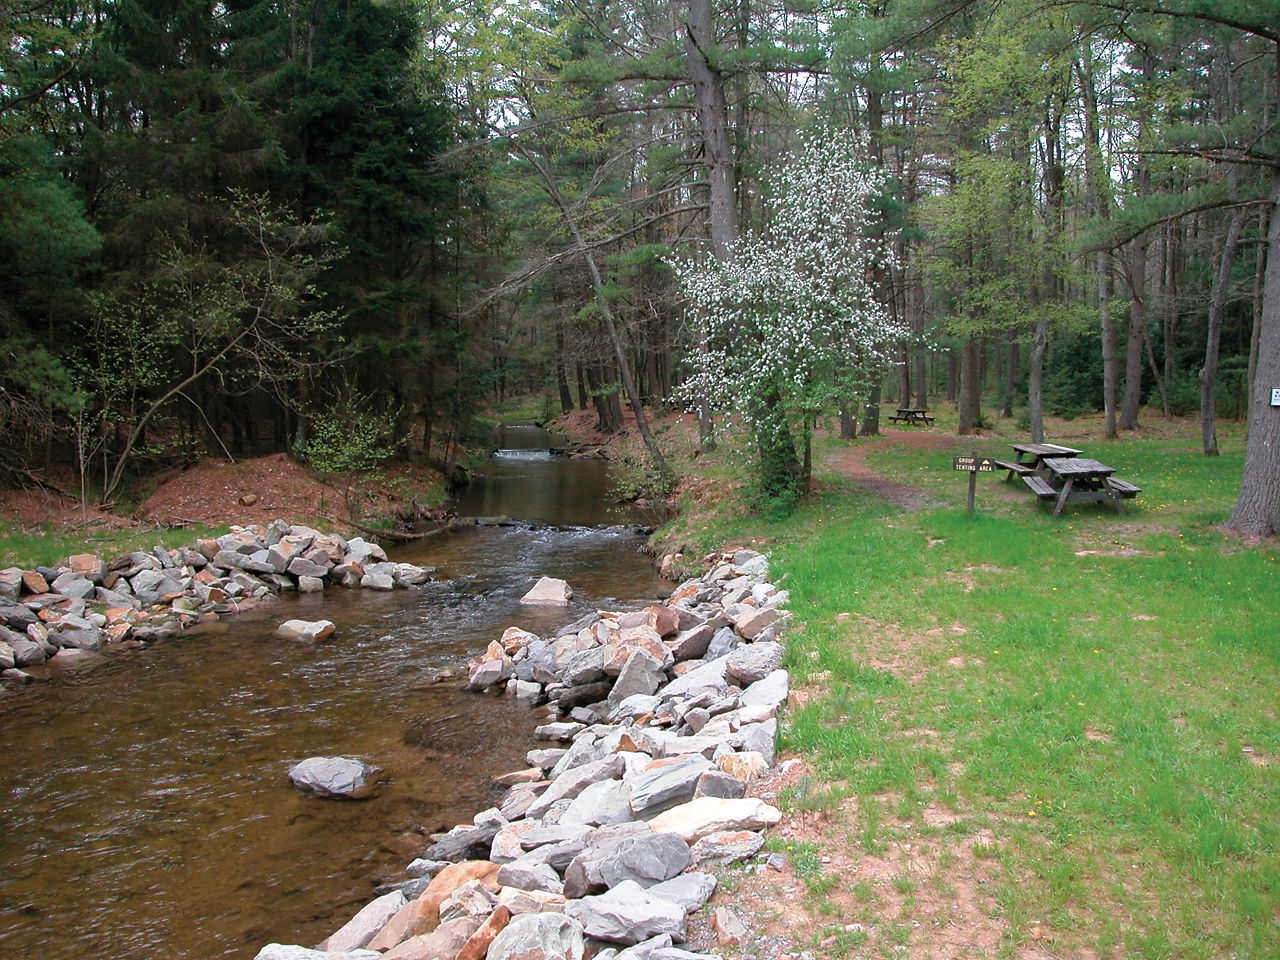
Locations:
column 1080, row 713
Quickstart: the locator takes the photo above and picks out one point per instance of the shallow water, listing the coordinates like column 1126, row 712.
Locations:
column 144, row 807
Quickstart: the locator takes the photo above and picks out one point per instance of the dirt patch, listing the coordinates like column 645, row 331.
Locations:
column 851, row 462
column 216, row 492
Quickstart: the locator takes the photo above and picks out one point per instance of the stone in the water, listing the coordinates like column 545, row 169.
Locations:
column 539, row 936
column 338, row 778
column 312, row 631
column 549, row 591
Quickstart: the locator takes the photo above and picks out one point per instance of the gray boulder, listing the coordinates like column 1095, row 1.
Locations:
column 753, row 661
column 152, row 586
column 539, row 936
column 665, row 783
column 336, row 778
column 689, row 890
column 73, row 585
column 530, row 873
column 360, row 929
column 627, row 914
column 645, row 859
column 770, row 691
column 642, row 674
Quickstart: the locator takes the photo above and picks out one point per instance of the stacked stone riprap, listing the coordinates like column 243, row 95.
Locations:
column 87, row 602
column 661, row 719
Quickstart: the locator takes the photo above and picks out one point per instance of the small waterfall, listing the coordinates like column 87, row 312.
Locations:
column 510, row 454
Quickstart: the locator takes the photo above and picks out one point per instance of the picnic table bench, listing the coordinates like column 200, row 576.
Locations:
column 1073, row 479
column 910, row 415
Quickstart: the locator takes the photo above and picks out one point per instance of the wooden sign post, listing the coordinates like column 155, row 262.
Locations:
column 974, row 465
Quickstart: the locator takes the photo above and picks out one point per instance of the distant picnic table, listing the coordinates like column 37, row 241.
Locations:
column 912, row 415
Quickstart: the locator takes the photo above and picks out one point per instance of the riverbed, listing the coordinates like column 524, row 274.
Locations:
column 146, row 812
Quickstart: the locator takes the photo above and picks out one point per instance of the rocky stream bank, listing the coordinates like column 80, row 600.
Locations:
column 659, row 721
column 61, row 616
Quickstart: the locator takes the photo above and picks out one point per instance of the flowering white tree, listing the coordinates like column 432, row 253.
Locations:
column 791, row 320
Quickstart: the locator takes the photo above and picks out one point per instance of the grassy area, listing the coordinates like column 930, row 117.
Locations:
column 46, row 546
column 1069, row 725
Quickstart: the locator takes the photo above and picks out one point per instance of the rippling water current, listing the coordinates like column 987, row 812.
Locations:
column 144, row 807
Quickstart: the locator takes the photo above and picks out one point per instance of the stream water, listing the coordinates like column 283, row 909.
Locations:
column 144, row 807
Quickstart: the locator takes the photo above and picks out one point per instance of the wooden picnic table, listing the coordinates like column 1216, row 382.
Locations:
column 1072, row 479
column 1031, row 457
column 910, row 415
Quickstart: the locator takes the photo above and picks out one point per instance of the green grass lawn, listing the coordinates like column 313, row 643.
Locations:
column 1087, row 705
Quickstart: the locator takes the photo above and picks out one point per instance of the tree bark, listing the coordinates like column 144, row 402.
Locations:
column 871, row 414
column 1217, row 307
column 970, row 388
column 1137, row 332
column 1257, row 508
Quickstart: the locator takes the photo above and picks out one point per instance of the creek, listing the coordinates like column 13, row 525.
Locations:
column 144, row 807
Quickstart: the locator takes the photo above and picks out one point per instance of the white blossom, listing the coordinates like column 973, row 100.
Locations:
column 794, row 315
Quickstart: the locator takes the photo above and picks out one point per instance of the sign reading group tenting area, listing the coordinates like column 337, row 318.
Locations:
column 974, row 464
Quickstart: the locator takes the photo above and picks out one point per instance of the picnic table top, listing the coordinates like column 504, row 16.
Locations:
column 1069, row 467
column 1045, row 449
column 912, row 410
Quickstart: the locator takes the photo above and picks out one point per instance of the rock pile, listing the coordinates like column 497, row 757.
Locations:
column 660, row 719
column 88, row 602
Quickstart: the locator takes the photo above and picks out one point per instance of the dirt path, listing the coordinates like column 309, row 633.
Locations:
column 852, row 463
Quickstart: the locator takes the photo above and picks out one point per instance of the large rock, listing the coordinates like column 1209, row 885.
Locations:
column 336, row 778
column 11, row 582
column 283, row 951
column 571, row 783
column 422, row 915
column 26, row 652
column 752, row 662
column 360, row 929
column 689, row 890
column 667, row 782
column 446, row 940
column 602, row 803
column 311, row 631
column 641, row 675
column 549, row 591
column 627, row 914
column 531, row 872
column 726, row 847
column 769, row 692
column 710, row 675
column 752, row 623
column 152, row 587
column 539, row 936
column 73, row 585
column 646, row 859
column 706, row 815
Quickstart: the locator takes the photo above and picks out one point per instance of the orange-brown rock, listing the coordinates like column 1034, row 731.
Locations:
column 477, row 944
column 420, row 916
column 442, row 943
column 203, row 576
column 664, row 620
column 34, row 583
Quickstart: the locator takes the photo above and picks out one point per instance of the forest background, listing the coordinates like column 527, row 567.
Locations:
column 341, row 228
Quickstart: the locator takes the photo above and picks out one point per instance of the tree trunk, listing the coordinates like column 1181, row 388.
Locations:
column 562, row 375
column 1097, row 189
column 1217, row 307
column 848, row 426
column 1137, row 332
column 582, row 386
column 970, row 411
column 1257, row 509
column 708, row 91
column 871, row 414
column 1035, row 378
column 1011, row 359
column 953, row 376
